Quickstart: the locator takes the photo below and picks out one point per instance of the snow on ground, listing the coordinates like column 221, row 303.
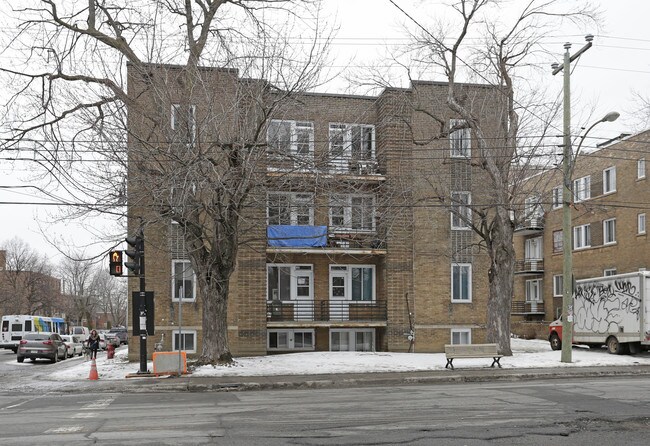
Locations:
column 526, row 354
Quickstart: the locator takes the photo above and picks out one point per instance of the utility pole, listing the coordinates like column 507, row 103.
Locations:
column 567, row 202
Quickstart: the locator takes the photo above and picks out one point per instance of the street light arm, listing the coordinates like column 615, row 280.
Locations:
column 609, row 117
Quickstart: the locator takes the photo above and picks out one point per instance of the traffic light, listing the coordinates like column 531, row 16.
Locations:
column 115, row 263
column 135, row 253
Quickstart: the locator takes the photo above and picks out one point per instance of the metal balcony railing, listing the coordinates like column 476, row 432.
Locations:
column 529, row 266
column 531, row 224
column 521, row 307
column 309, row 310
column 323, row 237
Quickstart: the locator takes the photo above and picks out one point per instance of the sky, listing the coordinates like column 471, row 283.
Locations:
column 526, row 354
column 603, row 80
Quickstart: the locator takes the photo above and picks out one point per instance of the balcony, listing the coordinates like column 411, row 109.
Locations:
column 529, row 266
column 322, row 239
column 527, row 308
column 325, row 311
column 351, row 167
column 530, row 226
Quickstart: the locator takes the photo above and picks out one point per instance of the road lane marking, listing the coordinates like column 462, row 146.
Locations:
column 64, row 430
column 86, row 415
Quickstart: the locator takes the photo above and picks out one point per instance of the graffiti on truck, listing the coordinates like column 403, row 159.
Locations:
column 603, row 307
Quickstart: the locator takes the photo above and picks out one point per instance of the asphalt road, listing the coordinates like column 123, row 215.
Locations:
column 578, row 412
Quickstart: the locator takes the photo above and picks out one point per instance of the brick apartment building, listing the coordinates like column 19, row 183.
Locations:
column 612, row 200
column 354, row 245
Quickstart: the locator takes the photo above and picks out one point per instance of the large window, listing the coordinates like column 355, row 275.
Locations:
column 461, row 336
column 287, row 339
column 582, row 189
column 459, row 139
column 582, row 236
column 609, row 180
column 290, row 209
column 289, row 282
column 183, row 123
column 557, row 197
column 609, row 231
column 533, row 248
column 558, row 285
column 352, row 282
column 352, row 212
column 640, row 223
column 534, row 290
column 186, row 341
column 461, row 213
column 290, row 138
column 640, row 168
column 558, row 241
column 183, row 280
column 351, row 143
column 359, row 340
column 461, row 282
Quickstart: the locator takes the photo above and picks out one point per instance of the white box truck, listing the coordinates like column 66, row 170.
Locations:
column 613, row 311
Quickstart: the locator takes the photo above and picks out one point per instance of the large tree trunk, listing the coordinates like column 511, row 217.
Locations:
column 501, row 277
column 214, row 297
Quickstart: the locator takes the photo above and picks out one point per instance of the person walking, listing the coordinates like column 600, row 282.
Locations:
column 93, row 344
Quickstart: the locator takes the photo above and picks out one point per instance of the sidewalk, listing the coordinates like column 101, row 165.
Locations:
column 242, row 383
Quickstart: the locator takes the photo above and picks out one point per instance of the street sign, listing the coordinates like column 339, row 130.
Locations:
column 115, row 263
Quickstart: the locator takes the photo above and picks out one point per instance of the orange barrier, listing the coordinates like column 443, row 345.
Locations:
column 93, row 371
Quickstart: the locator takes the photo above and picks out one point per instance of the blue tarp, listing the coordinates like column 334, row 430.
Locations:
column 297, row 236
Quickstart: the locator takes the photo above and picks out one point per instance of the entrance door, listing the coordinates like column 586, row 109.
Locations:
column 303, row 308
column 339, row 302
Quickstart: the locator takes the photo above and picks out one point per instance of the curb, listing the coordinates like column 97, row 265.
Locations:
column 303, row 382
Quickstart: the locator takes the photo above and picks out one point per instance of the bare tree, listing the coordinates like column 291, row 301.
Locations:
column 82, row 300
column 111, row 296
column 503, row 154
column 28, row 286
column 73, row 96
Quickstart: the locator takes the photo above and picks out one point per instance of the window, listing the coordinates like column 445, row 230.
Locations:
column 461, row 336
column 361, row 340
column 609, row 180
column 640, row 223
column 558, row 241
column 290, row 209
column 609, row 272
column 534, row 290
column 558, row 285
column 186, row 341
column 350, row 143
column 533, row 249
column 352, row 282
column 461, row 213
column 183, row 280
column 582, row 237
column 557, row 197
column 533, row 209
column 352, row 212
column 640, row 168
column 459, row 139
column 289, row 282
column 461, row 282
column 286, row 339
column 609, row 231
column 582, row 189
column 183, row 122
column 290, row 138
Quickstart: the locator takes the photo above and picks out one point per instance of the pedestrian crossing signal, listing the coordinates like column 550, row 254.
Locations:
column 115, row 263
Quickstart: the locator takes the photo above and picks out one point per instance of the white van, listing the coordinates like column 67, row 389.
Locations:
column 84, row 332
column 15, row 326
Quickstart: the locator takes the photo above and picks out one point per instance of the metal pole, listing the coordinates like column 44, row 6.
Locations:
column 567, row 202
column 143, row 311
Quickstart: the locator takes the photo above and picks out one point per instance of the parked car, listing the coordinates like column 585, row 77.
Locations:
column 102, row 341
column 84, row 332
column 74, row 345
column 45, row 345
column 120, row 333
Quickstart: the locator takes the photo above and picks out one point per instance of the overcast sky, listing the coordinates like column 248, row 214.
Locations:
column 604, row 80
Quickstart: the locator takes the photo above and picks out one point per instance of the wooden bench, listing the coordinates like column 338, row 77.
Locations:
column 472, row 351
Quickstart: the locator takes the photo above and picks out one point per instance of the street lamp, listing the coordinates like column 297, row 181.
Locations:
column 567, row 195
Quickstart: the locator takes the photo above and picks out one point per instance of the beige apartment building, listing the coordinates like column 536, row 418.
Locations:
column 612, row 201
column 347, row 242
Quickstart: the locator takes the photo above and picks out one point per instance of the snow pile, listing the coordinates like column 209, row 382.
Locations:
column 526, row 354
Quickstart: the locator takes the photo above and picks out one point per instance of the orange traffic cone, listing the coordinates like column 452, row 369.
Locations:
column 93, row 371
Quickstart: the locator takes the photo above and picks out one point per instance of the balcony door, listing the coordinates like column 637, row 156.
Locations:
column 339, row 302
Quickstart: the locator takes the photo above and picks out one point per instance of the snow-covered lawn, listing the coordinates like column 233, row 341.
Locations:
column 526, row 354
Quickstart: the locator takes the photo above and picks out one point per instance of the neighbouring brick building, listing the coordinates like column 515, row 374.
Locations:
column 356, row 245
column 612, row 200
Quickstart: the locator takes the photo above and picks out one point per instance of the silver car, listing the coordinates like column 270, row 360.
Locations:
column 45, row 345
column 74, row 344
